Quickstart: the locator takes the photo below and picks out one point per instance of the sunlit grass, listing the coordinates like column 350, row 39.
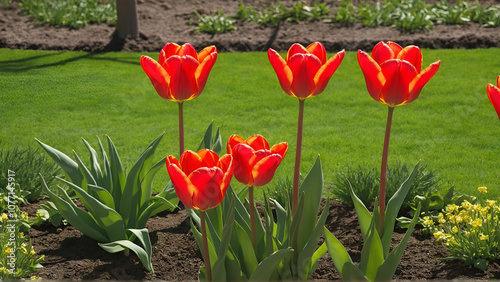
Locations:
column 59, row 97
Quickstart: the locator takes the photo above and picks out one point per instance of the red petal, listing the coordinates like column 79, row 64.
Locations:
column 209, row 157
column 244, row 159
column 318, row 50
column 226, row 165
column 264, row 170
column 383, row 52
column 158, row 76
column 172, row 160
column 190, row 161
column 373, row 75
column 170, row 49
column 203, row 71
column 233, row 141
column 494, row 96
column 398, row 75
column 413, row 55
column 283, row 72
column 187, row 49
column 498, row 81
column 304, row 68
column 257, row 142
column 280, row 149
column 421, row 79
column 326, row 71
column 182, row 185
column 205, row 52
column 208, row 192
column 296, row 48
column 395, row 47
column 182, row 81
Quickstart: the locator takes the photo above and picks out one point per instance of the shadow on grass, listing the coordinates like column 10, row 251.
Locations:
column 52, row 59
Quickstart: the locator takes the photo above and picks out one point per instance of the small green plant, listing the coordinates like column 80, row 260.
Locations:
column 432, row 204
column 366, row 181
column 443, row 12
column 281, row 191
column 471, row 232
column 27, row 164
column 18, row 258
column 70, row 13
column 118, row 203
column 213, row 24
column 345, row 14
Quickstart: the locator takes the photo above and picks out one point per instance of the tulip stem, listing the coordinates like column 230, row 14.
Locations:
column 383, row 171
column 206, row 257
column 181, row 129
column 298, row 153
column 252, row 218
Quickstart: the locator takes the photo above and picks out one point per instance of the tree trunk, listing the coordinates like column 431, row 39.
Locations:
column 126, row 21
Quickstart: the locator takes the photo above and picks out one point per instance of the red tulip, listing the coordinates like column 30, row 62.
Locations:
column 494, row 95
column 200, row 179
column 180, row 73
column 393, row 74
column 305, row 72
column 254, row 162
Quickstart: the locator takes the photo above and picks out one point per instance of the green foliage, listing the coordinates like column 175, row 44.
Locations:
column 18, row 258
column 432, row 203
column 214, row 24
column 118, row 203
column 378, row 260
column 471, row 232
column 345, row 14
column 365, row 183
column 27, row 164
column 281, row 191
column 287, row 246
column 70, row 13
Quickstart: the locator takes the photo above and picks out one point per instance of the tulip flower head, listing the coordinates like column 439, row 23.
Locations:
column 494, row 95
column 304, row 72
column 200, row 179
column 393, row 74
column 180, row 73
column 254, row 162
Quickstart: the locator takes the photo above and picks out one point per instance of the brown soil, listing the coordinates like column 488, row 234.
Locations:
column 70, row 255
column 162, row 21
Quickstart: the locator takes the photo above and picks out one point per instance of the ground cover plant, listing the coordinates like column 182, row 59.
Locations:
column 407, row 15
column 73, row 14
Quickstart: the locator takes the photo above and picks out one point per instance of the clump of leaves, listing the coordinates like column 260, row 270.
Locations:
column 27, row 165
column 365, row 182
column 70, row 13
column 214, row 24
column 282, row 191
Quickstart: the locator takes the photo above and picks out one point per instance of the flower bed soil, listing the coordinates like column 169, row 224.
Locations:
column 162, row 21
column 70, row 255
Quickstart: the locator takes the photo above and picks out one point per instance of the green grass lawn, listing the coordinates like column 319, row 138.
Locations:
column 59, row 97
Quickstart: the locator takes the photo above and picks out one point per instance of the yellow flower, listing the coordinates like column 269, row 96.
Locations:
column 466, row 205
column 484, row 211
column 483, row 237
column 32, row 253
column 490, row 203
column 21, row 234
column 454, row 229
column 482, row 189
column 428, row 222
column 477, row 223
column 7, row 251
column 451, row 208
column 25, row 216
column 4, row 216
column 34, row 278
column 4, row 270
column 467, row 233
column 458, row 219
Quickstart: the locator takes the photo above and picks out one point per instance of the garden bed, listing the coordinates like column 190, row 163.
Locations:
column 166, row 21
column 70, row 255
